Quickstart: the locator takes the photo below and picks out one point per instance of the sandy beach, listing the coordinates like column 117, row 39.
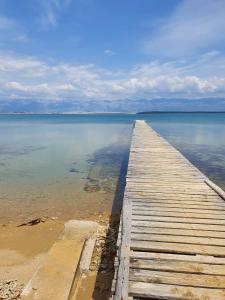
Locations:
column 24, row 249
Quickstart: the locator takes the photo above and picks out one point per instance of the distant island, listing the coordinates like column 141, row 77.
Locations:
column 180, row 112
column 114, row 106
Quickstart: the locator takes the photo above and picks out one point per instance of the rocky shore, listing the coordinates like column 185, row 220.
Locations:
column 10, row 289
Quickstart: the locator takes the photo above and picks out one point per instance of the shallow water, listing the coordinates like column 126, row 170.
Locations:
column 69, row 165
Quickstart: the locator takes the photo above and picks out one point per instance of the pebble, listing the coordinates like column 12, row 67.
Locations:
column 10, row 289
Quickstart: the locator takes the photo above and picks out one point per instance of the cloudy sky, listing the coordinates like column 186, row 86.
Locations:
column 62, row 50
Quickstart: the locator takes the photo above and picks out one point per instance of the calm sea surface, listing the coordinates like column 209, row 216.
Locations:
column 69, row 166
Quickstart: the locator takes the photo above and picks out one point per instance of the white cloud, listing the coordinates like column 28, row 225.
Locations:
column 10, row 30
column 6, row 23
column 194, row 26
column 109, row 52
column 23, row 38
column 31, row 78
column 50, row 12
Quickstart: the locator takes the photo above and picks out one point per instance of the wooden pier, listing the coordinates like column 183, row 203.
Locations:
column 171, row 243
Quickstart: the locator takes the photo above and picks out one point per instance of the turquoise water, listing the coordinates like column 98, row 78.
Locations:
column 69, row 165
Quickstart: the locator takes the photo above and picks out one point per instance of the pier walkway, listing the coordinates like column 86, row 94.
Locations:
column 171, row 243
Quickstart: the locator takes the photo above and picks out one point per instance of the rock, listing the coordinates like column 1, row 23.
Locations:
column 10, row 289
column 92, row 187
column 73, row 170
column 32, row 222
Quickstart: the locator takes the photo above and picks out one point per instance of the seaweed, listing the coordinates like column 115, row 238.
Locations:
column 104, row 168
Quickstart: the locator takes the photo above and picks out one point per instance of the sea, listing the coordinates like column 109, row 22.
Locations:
column 74, row 165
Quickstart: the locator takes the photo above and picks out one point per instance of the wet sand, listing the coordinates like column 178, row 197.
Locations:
column 24, row 249
column 72, row 203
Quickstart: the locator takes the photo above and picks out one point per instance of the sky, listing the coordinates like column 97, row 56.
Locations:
column 109, row 50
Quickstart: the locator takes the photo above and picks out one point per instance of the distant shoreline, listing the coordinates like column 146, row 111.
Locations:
column 180, row 112
column 113, row 113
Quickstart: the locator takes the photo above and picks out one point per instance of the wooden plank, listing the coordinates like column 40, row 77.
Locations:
column 182, row 248
column 181, row 200
column 177, row 266
column 176, row 225
column 179, row 214
column 176, row 173
column 147, row 169
column 161, row 197
column 179, row 208
column 166, row 206
column 179, row 220
column 162, row 190
column 168, row 192
column 174, row 292
column 121, row 291
column 158, row 171
column 169, row 187
column 215, row 187
column 178, row 257
column 175, row 197
column 178, row 231
column 164, row 177
column 207, row 281
column 178, row 203
column 177, row 239
column 167, row 182
column 175, row 170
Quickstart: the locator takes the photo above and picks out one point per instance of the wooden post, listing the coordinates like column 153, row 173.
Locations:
column 121, row 292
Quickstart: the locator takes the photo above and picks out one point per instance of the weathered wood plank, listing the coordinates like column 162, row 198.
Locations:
column 177, row 266
column 173, row 292
column 176, row 225
column 179, row 220
column 165, row 213
column 207, row 281
column 173, row 196
column 176, row 198
column 178, row 257
column 156, row 208
column 121, row 292
column 180, row 232
column 177, row 239
column 168, row 192
column 216, row 188
column 182, row 248
column 180, row 199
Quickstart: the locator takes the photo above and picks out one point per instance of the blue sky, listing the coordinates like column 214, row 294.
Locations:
column 62, row 50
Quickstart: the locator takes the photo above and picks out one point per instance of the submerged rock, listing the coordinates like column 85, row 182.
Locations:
column 105, row 167
column 74, row 170
column 22, row 151
column 92, row 186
